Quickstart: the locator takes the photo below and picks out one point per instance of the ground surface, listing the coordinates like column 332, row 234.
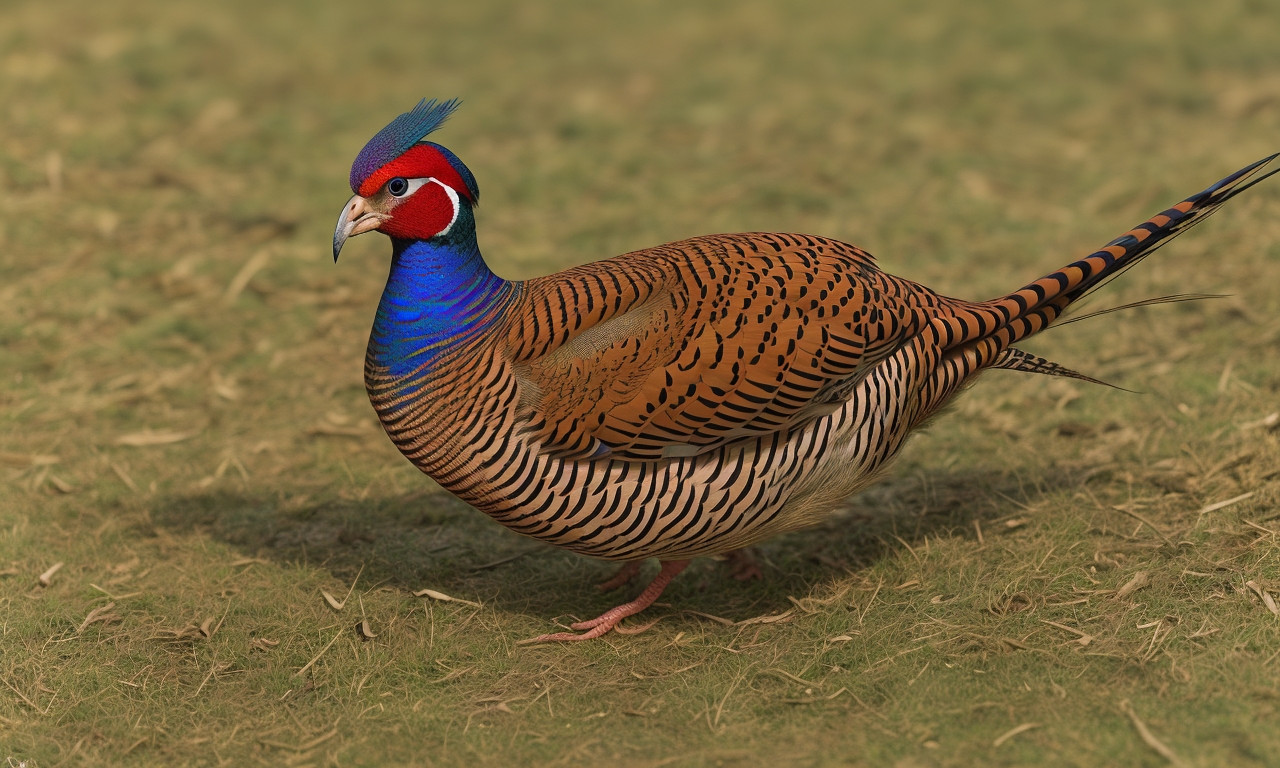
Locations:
column 1054, row 574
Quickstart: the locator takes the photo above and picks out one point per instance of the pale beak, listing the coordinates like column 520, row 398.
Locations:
column 356, row 219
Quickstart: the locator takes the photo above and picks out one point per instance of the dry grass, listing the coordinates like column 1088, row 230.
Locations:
column 209, row 554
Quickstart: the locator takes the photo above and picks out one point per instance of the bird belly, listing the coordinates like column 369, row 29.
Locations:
column 670, row 508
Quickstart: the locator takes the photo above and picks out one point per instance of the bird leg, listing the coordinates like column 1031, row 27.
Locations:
column 609, row 619
column 742, row 564
column 624, row 576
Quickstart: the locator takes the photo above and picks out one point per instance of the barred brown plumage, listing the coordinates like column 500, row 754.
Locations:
column 684, row 400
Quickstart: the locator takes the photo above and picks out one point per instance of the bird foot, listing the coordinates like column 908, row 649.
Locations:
column 606, row 621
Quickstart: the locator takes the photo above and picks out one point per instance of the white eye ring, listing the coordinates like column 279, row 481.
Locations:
column 410, row 186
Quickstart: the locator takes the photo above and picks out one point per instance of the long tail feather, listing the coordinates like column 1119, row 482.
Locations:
column 998, row 324
column 1015, row 359
column 980, row 335
column 1176, row 298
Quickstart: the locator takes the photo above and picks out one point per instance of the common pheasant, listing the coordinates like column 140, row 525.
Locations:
column 684, row 400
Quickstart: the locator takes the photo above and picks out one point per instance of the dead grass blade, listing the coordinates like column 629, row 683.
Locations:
column 112, row 595
column 788, row 676
column 304, row 747
column 124, row 477
column 241, row 280
column 1264, row 595
column 717, row 619
column 816, row 699
column 60, row 485
column 1009, row 734
column 1270, row 421
column 46, row 578
column 452, row 675
column 248, row 561
column 1228, row 502
column 1147, row 523
column 503, row 560
column 1150, row 738
column 27, row 460
column 100, row 614
column 442, row 597
column 334, row 602
column 28, row 701
column 149, row 437
column 772, row 618
column 1082, row 638
column 322, row 652
column 1139, row 580
column 217, row 667
column 870, row 601
column 719, row 710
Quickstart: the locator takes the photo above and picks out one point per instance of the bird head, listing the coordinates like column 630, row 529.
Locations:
column 405, row 187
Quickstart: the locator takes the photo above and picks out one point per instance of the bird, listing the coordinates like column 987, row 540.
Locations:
column 684, row 400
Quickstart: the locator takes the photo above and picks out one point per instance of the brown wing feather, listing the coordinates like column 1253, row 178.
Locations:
column 681, row 348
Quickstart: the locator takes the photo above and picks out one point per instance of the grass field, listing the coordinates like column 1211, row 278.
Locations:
column 1054, row 574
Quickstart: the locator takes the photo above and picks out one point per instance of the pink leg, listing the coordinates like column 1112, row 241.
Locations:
column 623, row 577
column 609, row 619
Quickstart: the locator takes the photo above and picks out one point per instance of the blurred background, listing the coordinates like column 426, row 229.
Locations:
column 181, row 360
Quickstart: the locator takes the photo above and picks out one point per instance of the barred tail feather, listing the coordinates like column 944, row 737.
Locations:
column 1012, row 318
column 981, row 335
column 1014, row 359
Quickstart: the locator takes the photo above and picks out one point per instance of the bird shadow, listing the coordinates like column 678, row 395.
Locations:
column 429, row 539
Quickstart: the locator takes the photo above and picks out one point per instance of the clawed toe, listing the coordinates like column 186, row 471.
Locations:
column 609, row 619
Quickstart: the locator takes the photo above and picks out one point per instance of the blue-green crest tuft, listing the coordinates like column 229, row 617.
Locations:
column 399, row 135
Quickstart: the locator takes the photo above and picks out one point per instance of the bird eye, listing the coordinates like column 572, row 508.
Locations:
column 397, row 187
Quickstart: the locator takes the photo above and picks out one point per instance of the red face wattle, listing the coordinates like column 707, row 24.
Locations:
column 417, row 195
column 419, row 191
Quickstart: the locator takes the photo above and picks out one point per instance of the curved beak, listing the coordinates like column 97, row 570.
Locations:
column 357, row 217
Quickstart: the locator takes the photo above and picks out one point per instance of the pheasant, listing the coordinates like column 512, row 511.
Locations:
column 680, row 401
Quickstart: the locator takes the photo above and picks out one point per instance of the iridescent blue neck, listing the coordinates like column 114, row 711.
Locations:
column 439, row 295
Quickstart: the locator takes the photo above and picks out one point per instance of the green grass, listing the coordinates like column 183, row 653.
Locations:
column 183, row 426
